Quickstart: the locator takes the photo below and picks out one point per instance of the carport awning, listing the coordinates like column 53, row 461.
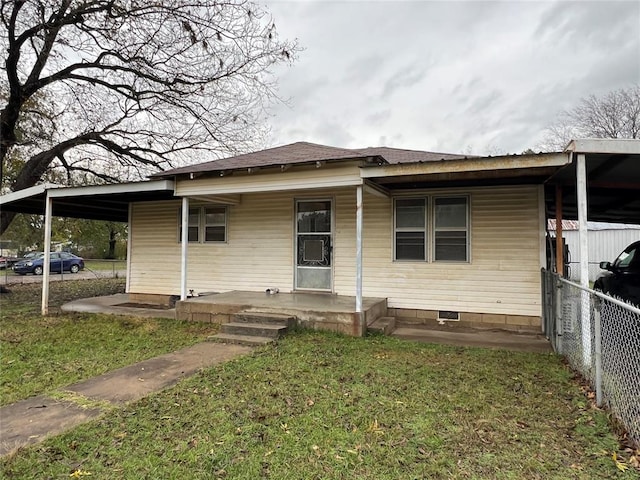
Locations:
column 99, row 202
column 613, row 181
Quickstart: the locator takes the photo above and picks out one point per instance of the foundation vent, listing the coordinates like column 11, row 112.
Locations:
column 448, row 316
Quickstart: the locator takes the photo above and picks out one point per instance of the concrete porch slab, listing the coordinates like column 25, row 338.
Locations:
column 112, row 304
column 313, row 310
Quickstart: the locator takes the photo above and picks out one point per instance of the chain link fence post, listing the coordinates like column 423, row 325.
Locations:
column 558, row 314
column 597, row 329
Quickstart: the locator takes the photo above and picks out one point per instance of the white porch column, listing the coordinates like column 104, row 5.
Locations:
column 46, row 267
column 581, row 192
column 359, row 253
column 184, row 243
column 129, row 248
column 581, row 174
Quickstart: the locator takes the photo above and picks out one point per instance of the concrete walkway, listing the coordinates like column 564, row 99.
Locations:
column 31, row 421
column 469, row 337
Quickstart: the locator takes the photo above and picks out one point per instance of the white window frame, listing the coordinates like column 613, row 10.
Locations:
column 202, row 225
column 424, row 230
column 466, row 228
column 203, row 217
column 430, row 228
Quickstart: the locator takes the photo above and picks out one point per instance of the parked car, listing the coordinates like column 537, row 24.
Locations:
column 622, row 277
column 58, row 261
column 4, row 262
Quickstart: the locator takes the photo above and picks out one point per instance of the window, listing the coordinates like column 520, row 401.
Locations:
column 215, row 224
column 410, row 229
column 450, row 230
column 449, row 237
column 206, row 224
column 194, row 225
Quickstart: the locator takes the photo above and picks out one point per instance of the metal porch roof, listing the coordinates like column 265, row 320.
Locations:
column 613, row 181
column 97, row 202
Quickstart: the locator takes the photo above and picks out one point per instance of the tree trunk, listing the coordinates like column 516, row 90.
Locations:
column 5, row 220
column 111, row 254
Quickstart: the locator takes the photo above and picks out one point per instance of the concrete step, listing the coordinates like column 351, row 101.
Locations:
column 250, row 340
column 264, row 318
column 383, row 325
column 254, row 329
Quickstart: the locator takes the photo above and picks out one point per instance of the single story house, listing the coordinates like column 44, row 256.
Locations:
column 440, row 237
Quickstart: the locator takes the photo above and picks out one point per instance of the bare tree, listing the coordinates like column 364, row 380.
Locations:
column 133, row 86
column 614, row 115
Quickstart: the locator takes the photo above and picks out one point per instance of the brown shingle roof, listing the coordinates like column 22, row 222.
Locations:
column 398, row 155
column 305, row 152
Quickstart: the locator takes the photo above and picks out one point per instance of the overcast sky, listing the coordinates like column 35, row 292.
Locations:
column 449, row 76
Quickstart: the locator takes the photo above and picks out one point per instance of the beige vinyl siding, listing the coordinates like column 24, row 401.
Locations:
column 155, row 253
column 502, row 276
column 257, row 254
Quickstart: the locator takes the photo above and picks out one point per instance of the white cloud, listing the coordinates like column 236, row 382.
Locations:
column 447, row 76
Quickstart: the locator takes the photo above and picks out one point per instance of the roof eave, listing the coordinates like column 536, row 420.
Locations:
column 502, row 163
column 604, row 145
column 376, row 160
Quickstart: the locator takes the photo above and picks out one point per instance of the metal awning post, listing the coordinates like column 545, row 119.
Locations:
column 184, row 244
column 581, row 184
column 559, row 250
column 582, row 220
column 46, row 266
column 359, row 221
column 129, row 247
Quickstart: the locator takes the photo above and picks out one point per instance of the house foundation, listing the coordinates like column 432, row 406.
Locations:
column 465, row 319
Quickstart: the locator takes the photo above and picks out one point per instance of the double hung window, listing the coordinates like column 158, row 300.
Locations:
column 206, row 225
column 450, row 229
column 439, row 225
column 411, row 229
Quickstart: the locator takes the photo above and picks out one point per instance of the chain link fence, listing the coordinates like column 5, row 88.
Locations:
column 600, row 338
column 94, row 268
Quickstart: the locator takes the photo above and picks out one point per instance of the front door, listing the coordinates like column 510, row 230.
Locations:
column 313, row 245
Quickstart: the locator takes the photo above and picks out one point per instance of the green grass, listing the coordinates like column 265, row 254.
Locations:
column 323, row 406
column 105, row 265
column 313, row 406
column 40, row 354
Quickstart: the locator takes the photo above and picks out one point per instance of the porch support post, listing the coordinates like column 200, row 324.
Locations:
column 184, row 244
column 359, row 222
column 582, row 219
column 129, row 247
column 581, row 187
column 559, row 249
column 46, row 266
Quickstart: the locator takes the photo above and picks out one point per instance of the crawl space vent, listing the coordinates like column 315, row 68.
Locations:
column 447, row 316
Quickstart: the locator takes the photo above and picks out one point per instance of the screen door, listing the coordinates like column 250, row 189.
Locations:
column 313, row 245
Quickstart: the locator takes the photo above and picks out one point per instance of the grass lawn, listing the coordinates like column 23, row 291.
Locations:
column 40, row 354
column 105, row 265
column 323, row 406
column 314, row 406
